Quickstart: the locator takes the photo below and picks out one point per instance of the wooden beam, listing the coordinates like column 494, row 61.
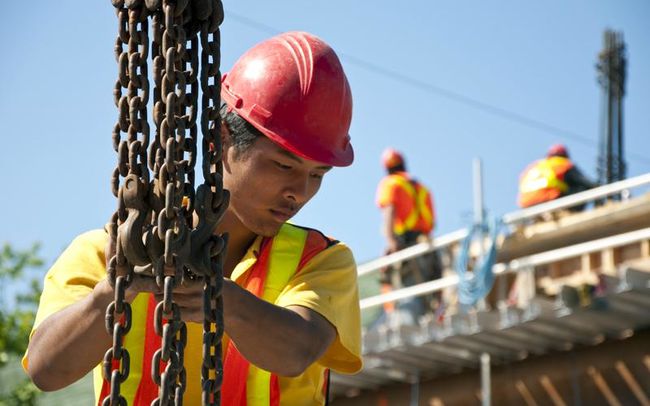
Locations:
column 601, row 384
column 525, row 393
column 645, row 248
column 551, row 391
column 607, row 262
column 632, row 383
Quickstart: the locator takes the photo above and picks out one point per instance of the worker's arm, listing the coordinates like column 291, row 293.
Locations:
column 577, row 181
column 71, row 342
column 282, row 340
column 388, row 218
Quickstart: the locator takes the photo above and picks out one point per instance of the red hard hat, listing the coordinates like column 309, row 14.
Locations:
column 390, row 158
column 558, row 150
column 293, row 89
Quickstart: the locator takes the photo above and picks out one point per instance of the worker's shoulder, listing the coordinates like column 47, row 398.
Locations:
column 393, row 179
column 316, row 237
column 91, row 239
column 318, row 243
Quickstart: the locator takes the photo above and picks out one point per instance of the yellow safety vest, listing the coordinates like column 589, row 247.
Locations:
column 543, row 181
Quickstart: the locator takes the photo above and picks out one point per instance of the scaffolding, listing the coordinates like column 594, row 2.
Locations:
column 559, row 298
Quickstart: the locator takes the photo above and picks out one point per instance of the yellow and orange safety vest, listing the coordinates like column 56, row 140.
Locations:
column 411, row 201
column 543, row 181
column 244, row 384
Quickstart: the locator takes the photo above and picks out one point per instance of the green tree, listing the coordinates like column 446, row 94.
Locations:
column 17, row 312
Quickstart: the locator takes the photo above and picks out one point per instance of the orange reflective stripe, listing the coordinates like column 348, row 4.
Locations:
column 286, row 250
column 401, row 226
column 134, row 342
column 426, row 213
column 236, row 367
column 147, row 389
column 315, row 243
column 245, row 384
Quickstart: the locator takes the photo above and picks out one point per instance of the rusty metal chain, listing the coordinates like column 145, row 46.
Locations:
column 171, row 229
column 153, row 226
column 126, row 225
column 213, row 201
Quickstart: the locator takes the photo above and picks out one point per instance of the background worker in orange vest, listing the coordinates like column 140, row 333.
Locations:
column 408, row 217
column 291, row 305
column 552, row 177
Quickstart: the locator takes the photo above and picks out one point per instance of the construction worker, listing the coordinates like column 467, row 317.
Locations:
column 552, row 177
column 408, row 217
column 283, row 129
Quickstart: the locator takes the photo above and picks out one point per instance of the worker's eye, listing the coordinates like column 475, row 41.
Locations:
column 318, row 176
column 282, row 166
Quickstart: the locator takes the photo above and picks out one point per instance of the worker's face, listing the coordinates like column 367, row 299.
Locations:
column 268, row 184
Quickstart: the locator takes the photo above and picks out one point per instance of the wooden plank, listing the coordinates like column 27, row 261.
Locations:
column 551, row 391
column 601, row 384
column 632, row 383
column 525, row 393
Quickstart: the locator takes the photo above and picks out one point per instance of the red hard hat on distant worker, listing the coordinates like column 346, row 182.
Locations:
column 390, row 158
column 293, row 89
column 557, row 150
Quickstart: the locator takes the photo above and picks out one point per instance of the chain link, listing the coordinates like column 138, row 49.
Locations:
column 153, row 227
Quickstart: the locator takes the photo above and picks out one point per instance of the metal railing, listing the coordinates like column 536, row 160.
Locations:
column 575, row 199
column 519, row 216
column 512, row 266
column 412, row 252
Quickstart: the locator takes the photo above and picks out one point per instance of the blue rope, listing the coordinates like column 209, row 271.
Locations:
column 472, row 290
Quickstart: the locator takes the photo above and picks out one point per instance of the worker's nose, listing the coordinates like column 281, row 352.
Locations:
column 298, row 189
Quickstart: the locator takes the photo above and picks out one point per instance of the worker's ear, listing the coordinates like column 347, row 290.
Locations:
column 225, row 145
column 225, row 134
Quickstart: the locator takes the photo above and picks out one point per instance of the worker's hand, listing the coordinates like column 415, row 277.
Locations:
column 392, row 246
column 138, row 284
column 109, row 250
column 189, row 298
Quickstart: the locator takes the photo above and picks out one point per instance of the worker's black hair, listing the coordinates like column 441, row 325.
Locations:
column 242, row 133
column 397, row 168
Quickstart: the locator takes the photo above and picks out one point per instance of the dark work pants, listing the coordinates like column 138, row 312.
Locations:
column 421, row 269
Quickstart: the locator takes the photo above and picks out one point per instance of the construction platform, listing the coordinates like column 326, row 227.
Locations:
column 567, row 320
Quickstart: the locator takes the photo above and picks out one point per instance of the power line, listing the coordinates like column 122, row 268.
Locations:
column 448, row 94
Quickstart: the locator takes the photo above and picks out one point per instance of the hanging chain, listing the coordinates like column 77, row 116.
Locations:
column 215, row 203
column 131, row 211
column 153, row 227
column 172, row 228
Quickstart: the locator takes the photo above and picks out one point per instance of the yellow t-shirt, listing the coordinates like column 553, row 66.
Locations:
column 327, row 284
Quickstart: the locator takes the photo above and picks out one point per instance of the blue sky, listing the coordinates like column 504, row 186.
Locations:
column 417, row 69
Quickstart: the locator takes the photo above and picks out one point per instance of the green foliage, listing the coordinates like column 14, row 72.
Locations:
column 23, row 394
column 17, row 318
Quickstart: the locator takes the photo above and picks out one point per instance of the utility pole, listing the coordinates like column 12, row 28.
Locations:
column 611, row 68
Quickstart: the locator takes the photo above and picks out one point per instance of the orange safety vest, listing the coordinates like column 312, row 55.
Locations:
column 419, row 214
column 244, row 384
column 543, row 181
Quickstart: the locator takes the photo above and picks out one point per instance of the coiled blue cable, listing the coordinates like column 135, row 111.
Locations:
column 473, row 289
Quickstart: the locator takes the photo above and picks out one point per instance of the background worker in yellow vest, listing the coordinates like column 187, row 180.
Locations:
column 408, row 217
column 552, row 177
column 291, row 306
